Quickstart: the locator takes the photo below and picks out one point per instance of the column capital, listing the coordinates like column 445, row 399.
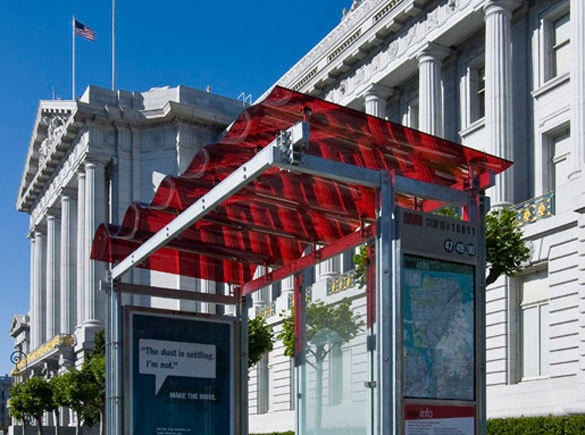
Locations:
column 503, row 6
column 433, row 52
column 94, row 162
column 68, row 193
column 376, row 90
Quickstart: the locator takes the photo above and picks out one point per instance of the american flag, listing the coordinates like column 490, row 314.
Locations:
column 84, row 31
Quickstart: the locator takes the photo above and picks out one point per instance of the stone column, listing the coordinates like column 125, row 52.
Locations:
column 375, row 100
column 38, row 305
column 430, row 101
column 53, row 270
column 31, row 290
column 67, row 277
column 80, row 284
column 498, row 86
column 329, row 267
column 578, row 87
column 95, row 208
column 260, row 297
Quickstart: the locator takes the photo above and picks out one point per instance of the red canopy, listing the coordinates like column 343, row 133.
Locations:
column 273, row 219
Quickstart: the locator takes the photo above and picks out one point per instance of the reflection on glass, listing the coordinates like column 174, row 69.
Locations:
column 335, row 369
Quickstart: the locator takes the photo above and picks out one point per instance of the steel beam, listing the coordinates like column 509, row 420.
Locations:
column 342, row 172
column 337, row 247
column 227, row 187
column 168, row 293
column 423, row 189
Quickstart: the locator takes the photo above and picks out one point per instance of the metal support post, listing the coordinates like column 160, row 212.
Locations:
column 387, row 399
column 114, row 358
column 483, row 207
column 242, row 307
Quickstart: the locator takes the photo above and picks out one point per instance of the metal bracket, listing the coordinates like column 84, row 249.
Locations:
column 105, row 285
column 293, row 141
column 370, row 384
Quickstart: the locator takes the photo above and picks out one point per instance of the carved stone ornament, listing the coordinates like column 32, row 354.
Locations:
column 55, row 127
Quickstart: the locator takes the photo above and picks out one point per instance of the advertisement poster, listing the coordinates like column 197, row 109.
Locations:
column 439, row 420
column 438, row 335
column 181, row 375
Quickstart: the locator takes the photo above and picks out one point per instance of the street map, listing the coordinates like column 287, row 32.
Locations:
column 438, row 329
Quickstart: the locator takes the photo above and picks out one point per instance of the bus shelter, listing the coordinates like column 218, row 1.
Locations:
column 293, row 182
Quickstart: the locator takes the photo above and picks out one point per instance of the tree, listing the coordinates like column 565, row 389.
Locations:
column 260, row 339
column 505, row 249
column 33, row 397
column 326, row 326
column 93, row 372
column 73, row 386
column 59, row 391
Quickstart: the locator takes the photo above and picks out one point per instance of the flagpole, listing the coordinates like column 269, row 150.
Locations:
column 73, row 60
column 113, row 45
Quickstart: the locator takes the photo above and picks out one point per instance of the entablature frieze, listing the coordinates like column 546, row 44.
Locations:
column 399, row 52
column 360, row 32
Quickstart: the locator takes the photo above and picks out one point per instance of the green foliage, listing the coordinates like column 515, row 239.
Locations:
column 99, row 343
column 360, row 273
column 31, row 398
column 260, row 339
column 325, row 325
column 505, row 249
column 566, row 425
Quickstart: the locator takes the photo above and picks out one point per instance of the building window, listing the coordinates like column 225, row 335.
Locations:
column 560, row 46
column 263, row 379
column 557, row 148
column 534, row 324
column 554, row 36
column 477, row 92
column 340, row 374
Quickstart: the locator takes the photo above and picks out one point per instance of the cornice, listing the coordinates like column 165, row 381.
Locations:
column 59, row 125
column 360, row 32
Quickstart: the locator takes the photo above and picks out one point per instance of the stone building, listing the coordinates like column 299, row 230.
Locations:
column 5, row 384
column 87, row 161
column 502, row 76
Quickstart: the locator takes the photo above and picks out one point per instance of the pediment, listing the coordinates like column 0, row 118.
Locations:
column 48, row 143
column 19, row 323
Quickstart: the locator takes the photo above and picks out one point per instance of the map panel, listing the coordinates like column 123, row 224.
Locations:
column 438, row 329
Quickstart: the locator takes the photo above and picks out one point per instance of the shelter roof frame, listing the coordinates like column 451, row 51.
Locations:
column 274, row 155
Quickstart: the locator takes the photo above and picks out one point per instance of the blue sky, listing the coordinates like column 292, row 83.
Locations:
column 233, row 46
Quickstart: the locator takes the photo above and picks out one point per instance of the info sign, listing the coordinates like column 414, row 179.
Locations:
column 439, row 264
column 181, row 374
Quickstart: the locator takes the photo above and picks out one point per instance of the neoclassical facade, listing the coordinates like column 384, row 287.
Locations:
column 86, row 162
column 502, row 76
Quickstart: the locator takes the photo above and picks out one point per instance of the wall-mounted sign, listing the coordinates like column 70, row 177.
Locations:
column 181, row 374
column 430, row 420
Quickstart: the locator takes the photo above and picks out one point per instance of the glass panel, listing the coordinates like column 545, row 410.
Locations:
column 561, row 45
column 438, row 329
column 335, row 369
column 562, row 30
column 543, row 339
column 529, row 342
column 562, row 60
column 561, row 150
column 535, row 286
column 560, row 168
column 347, row 377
